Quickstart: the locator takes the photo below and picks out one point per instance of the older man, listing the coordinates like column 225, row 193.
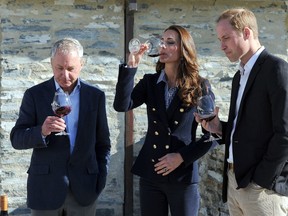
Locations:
column 67, row 173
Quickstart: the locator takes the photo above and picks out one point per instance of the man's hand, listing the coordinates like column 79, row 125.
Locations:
column 52, row 124
column 213, row 126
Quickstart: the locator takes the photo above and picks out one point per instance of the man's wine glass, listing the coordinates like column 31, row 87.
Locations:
column 61, row 106
column 154, row 45
column 206, row 110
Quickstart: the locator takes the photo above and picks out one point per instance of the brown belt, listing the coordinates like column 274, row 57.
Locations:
column 231, row 166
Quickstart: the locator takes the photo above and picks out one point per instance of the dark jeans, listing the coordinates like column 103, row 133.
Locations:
column 157, row 198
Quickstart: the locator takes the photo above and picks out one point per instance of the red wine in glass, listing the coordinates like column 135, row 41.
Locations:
column 62, row 111
column 61, row 106
column 206, row 110
column 207, row 117
column 154, row 45
column 153, row 55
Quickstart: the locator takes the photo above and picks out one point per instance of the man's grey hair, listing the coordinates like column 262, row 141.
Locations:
column 67, row 45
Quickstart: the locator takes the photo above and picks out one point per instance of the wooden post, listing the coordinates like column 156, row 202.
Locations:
column 130, row 7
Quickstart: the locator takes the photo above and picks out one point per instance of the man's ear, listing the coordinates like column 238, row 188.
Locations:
column 83, row 61
column 246, row 32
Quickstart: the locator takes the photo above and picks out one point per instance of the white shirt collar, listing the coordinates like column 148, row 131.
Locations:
column 248, row 66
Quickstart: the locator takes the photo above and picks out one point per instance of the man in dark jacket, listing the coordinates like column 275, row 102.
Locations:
column 67, row 173
column 256, row 134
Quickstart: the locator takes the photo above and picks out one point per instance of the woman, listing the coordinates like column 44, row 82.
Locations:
column 167, row 163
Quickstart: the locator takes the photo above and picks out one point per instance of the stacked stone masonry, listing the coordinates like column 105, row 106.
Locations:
column 27, row 30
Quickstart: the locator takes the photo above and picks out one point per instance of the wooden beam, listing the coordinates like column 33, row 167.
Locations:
column 130, row 7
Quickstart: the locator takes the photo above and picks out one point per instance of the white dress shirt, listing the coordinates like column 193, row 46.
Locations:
column 245, row 72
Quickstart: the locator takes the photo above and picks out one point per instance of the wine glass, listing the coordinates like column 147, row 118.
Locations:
column 134, row 45
column 206, row 110
column 154, row 45
column 61, row 106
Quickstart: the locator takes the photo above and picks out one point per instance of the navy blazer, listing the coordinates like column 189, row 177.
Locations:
column 171, row 130
column 52, row 167
column 260, row 141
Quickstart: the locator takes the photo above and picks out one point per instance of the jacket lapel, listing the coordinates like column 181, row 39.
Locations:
column 233, row 99
column 160, row 96
column 83, row 106
column 175, row 112
column 234, row 94
column 253, row 74
column 167, row 115
column 175, row 103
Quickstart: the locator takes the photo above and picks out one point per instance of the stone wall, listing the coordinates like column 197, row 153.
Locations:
column 27, row 30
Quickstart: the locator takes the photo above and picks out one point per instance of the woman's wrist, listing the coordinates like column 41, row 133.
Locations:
column 132, row 65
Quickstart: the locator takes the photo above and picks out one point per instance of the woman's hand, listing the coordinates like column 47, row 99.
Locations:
column 134, row 59
column 168, row 163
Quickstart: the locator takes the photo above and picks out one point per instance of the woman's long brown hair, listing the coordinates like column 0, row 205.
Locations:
column 188, row 79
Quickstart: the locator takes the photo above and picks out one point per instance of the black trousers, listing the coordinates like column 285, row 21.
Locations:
column 156, row 199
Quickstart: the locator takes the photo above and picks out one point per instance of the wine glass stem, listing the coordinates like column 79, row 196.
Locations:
column 210, row 137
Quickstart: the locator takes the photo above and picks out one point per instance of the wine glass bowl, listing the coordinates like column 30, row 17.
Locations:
column 61, row 106
column 206, row 111
column 153, row 43
column 62, row 111
column 206, row 107
column 134, row 45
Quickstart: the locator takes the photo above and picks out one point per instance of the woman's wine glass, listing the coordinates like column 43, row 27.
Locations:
column 154, row 45
column 61, row 106
column 134, row 45
column 206, row 110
